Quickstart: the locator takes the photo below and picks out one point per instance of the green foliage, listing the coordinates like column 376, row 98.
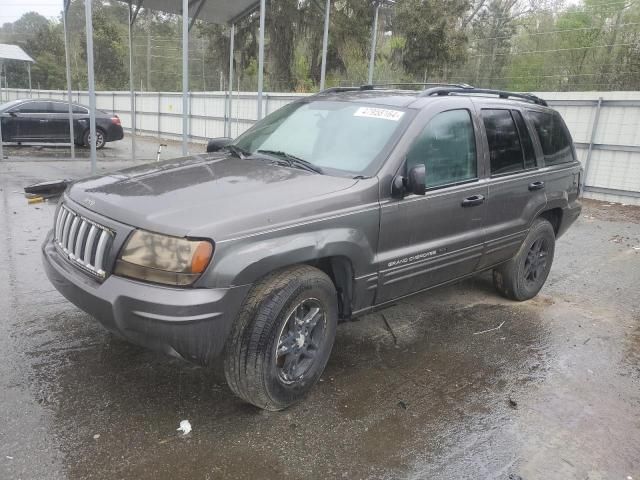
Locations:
column 513, row 44
column 432, row 37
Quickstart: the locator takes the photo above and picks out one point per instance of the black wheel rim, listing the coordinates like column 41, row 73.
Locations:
column 535, row 263
column 301, row 337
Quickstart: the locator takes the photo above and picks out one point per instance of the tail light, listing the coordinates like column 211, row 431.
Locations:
column 115, row 120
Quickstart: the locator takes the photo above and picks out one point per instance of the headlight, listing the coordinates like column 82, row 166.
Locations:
column 163, row 259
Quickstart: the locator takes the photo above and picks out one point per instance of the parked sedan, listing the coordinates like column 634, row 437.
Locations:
column 47, row 121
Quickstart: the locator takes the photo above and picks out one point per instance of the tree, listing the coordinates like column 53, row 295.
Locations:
column 433, row 35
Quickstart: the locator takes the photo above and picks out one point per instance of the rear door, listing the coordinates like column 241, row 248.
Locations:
column 558, row 156
column 516, row 183
column 431, row 239
column 59, row 121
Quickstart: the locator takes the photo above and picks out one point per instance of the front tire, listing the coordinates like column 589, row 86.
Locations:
column 282, row 338
column 522, row 277
column 101, row 138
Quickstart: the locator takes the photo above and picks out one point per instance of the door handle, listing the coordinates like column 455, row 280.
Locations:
column 473, row 201
column 43, row 120
column 536, row 186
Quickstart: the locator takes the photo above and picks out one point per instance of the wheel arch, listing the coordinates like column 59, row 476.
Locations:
column 342, row 253
column 554, row 217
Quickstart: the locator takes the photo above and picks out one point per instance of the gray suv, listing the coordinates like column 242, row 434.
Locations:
column 332, row 206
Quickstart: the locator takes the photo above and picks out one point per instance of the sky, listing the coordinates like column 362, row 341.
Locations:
column 11, row 10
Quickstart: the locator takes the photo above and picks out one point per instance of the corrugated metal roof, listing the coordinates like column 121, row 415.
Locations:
column 212, row 11
column 14, row 52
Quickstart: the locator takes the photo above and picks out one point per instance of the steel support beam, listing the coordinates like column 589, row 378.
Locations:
column 612, row 191
column 132, row 93
column 608, row 147
column 1, row 114
column 325, row 44
column 227, row 124
column 594, row 130
column 67, row 62
column 261, row 57
column 196, row 13
column 29, row 73
column 374, row 39
column 91, row 84
column 185, row 76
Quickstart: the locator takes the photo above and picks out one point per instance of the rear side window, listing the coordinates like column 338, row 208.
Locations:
column 504, row 142
column 447, row 148
column 553, row 135
column 525, row 140
column 59, row 107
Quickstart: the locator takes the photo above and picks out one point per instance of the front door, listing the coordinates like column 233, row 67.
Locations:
column 33, row 120
column 432, row 239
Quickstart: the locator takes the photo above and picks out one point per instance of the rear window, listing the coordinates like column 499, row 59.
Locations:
column 554, row 137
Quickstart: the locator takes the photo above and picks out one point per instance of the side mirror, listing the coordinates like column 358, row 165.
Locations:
column 417, row 179
column 216, row 144
column 13, row 114
column 414, row 183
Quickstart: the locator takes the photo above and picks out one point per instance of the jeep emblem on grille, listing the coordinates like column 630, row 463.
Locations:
column 89, row 202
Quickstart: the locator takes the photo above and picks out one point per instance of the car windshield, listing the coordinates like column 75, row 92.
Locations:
column 338, row 136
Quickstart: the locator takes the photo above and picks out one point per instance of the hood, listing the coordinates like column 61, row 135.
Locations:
column 210, row 195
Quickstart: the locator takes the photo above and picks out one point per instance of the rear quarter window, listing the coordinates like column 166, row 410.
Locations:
column 554, row 137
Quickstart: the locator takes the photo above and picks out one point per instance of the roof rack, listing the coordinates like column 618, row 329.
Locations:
column 442, row 91
column 385, row 85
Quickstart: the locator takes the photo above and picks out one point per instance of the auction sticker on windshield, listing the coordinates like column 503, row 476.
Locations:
column 383, row 113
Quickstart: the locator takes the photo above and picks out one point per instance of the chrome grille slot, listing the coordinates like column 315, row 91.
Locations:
column 84, row 242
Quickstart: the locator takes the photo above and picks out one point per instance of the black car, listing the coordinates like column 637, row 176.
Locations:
column 35, row 121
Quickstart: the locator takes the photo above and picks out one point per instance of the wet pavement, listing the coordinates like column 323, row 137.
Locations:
column 454, row 383
column 146, row 149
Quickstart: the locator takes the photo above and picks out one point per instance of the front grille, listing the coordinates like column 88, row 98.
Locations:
column 83, row 241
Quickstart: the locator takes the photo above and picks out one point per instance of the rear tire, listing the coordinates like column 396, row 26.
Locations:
column 522, row 277
column 282, row 337
column 101, row 138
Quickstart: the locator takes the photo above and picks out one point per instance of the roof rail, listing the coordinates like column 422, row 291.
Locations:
column 384, row 85
column 414, row 84
column 344, row 89
column 442, row 91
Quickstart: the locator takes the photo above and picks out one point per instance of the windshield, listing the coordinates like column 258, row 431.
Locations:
column 340, row 136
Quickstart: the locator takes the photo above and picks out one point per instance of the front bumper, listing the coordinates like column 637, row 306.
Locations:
column 192, row 324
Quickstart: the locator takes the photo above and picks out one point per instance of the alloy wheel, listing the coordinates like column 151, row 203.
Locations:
column 301, row 337
column 535, row 263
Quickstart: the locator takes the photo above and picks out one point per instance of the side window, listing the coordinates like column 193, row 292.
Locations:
column 79, row 109
column 504, row 143
column 553, row 135
column 35, row 107
column 447, row 147
column 525, row 140
column 59, row 107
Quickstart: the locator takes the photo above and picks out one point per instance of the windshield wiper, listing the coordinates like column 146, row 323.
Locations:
column 237, row 151
column 292, row 160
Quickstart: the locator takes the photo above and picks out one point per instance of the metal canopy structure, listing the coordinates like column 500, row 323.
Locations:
column 214, row 11
column 15, row 53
